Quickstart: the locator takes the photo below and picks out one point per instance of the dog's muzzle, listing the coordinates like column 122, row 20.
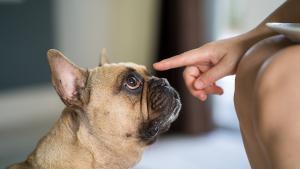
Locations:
column 163, row 103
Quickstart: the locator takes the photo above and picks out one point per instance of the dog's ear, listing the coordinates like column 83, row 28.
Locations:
column 68, row 79
column 103, row 57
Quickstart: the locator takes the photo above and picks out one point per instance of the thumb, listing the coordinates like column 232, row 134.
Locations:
column 212, row 75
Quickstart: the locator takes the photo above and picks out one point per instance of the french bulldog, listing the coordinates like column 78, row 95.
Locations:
column 113, row 112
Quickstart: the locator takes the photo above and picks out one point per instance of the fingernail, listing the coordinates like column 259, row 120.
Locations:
column 155, row 65
column 199, row 84
column 203, row 97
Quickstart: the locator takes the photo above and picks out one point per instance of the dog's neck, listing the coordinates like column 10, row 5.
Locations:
column 77, row 147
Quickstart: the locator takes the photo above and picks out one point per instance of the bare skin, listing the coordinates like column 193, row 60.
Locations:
column 266, row 96
column 267, row 80
column 215, row 60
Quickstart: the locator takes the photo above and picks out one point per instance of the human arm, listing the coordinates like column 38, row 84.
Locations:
column 212, row 61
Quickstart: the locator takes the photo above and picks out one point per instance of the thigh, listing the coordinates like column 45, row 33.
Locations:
column 277, row 103
column 247, row 72
column 246, row 78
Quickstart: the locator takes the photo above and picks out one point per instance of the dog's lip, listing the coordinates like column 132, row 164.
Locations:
column 161, row 124
column 167, row 105
column 172, row 116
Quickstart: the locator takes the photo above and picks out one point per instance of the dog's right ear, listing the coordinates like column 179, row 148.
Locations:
column 68, row 79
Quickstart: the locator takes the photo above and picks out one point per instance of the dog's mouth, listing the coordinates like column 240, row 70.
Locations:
column 164, row 104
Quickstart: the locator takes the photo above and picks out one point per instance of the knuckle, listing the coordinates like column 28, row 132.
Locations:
column 207, row 80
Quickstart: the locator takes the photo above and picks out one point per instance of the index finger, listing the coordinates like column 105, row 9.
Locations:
column 184, row 59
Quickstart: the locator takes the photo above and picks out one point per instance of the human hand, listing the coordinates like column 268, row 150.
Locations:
column 206, row 64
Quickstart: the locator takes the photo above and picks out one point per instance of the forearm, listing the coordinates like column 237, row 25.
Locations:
column 287, row 12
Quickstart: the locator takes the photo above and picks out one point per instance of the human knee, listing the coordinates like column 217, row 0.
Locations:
column 276, row 91
column 251, row 63
column 257, row 54
column 282, row 68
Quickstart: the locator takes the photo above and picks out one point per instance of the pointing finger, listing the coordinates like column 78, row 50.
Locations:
column 185, row 59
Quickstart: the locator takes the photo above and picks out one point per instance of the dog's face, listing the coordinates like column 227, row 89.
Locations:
column 118, row 100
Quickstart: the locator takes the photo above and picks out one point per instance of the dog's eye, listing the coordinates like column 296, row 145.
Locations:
column 133, row 83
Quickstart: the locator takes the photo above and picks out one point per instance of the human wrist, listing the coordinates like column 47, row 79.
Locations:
column 255, row 35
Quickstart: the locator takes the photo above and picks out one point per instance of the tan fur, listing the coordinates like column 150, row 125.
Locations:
column 104, row 136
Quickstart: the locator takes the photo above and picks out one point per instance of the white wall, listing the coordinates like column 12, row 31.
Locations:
column 237, row 16
column 126, row 28
column 257, row 10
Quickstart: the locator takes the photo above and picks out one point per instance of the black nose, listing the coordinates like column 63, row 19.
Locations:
column 156, row 82
column 165, row 82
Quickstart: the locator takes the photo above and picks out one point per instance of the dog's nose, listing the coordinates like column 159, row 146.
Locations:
column 159, row 82
column 165, row 82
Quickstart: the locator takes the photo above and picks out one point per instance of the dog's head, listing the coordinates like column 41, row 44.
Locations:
column 118, row 100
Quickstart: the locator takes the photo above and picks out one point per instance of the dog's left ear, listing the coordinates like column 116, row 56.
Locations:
column 103, row 57
column 68, row 79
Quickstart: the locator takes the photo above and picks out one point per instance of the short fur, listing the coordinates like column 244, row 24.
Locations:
column 105, row 125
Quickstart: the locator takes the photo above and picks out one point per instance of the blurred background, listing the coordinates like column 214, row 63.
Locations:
column 206, row 135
